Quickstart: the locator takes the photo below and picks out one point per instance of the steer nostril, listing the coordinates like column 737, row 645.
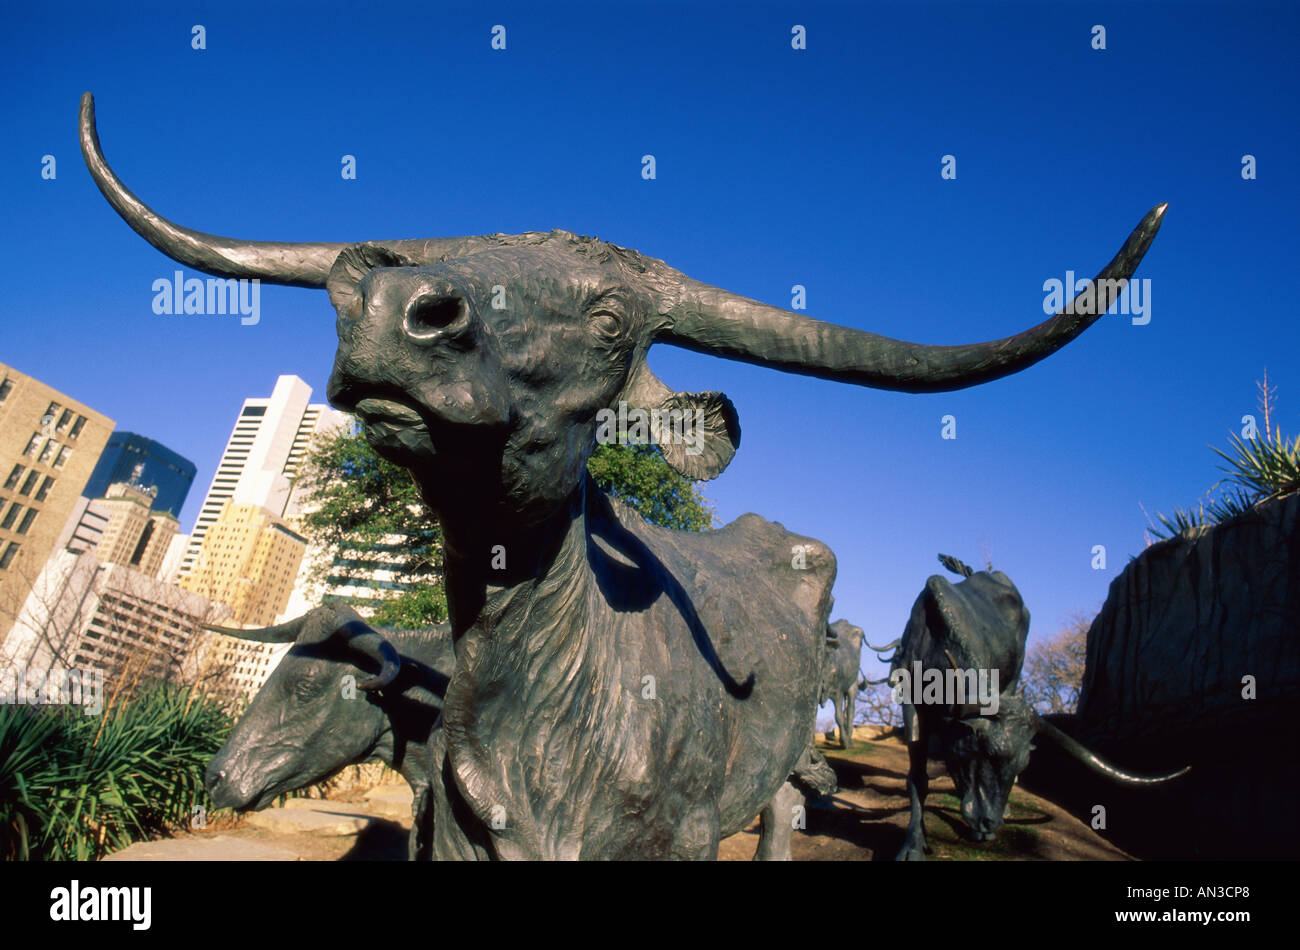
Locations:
column 430, row 313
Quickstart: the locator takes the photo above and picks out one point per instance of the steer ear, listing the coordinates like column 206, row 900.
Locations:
column 698, row 433
column 354, row 263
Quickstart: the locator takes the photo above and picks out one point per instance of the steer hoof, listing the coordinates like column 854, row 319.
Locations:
column 911, row 852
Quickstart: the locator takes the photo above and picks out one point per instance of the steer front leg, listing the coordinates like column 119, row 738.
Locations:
column 420, row 844
column 844, row 718
column 776, row 824
column 918, row 785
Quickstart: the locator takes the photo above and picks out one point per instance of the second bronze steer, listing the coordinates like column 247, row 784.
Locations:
column 960, row 632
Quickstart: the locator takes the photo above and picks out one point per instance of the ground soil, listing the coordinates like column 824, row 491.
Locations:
column 867, row 818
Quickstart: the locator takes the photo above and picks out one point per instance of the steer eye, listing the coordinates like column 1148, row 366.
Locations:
column 605, row 323
column 428, row 314
column 307, row 688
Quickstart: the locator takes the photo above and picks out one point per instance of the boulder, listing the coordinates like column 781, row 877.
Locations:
column 1188, row 627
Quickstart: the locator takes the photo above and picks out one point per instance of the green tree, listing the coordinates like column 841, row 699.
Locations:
column 638, row 476
column 366, row 513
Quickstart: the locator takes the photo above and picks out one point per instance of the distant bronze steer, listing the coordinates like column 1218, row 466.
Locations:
column 840, row 678
column 976, row 626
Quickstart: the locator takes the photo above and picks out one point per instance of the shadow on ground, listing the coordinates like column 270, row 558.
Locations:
column 866, row 820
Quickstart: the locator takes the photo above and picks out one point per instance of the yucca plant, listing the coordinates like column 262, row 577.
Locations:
column 1264, row 467
column 76, row 787
column 105, row 803
column 1187, row 522
column 34, row 752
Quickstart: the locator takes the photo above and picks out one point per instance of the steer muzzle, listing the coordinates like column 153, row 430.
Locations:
column 221, row 789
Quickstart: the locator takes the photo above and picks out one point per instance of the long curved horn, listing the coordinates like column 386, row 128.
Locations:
column 887, row 646
column 370, row 644
column 283, row 633
column 299, row 265
column 302, row 264
column 1096, row 763
column 711, row 320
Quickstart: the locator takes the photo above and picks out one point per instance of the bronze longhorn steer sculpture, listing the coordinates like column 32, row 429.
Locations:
column 956, row 635
column 307, row 722
column 620, row 690
column 840, row 678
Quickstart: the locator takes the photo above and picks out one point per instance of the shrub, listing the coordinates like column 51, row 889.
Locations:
column 76, row 787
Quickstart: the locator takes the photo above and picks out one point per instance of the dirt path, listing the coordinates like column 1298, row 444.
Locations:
column 868, row 818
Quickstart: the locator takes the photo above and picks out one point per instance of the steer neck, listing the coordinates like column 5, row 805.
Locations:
column 513, row 629
column 411, row 706
column 494, row 582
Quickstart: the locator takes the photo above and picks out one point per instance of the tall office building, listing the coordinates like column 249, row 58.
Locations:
column 122, row 527
column 162, row 469
column 49, row 444
column 136, row 535
column 244, row 550
column 249, row 561
column 99, row 602
column 265, row 448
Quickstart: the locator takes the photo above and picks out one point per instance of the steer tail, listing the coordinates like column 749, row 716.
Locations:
column 956, row 566
column 813, row 774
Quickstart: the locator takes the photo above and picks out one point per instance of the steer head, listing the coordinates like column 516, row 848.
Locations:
column 481, row 363
column 984, row 755
column 307, row 721
column 483, row 373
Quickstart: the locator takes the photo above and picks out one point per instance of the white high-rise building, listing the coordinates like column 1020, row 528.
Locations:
column 263, row 453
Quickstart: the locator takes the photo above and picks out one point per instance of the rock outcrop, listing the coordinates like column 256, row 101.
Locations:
column 1195, row 660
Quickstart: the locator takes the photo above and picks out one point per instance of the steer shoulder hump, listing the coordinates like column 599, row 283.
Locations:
column 798, row 571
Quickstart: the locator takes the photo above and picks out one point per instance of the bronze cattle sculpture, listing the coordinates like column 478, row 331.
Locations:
column 306, row 722
column 963, row 635
column 345, row 694
column 620, row 690
column 840, row 679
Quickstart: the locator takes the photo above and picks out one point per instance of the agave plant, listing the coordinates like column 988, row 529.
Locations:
column 1263, row 468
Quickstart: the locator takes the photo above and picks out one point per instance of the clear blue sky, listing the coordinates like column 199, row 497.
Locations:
column 775, row 168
